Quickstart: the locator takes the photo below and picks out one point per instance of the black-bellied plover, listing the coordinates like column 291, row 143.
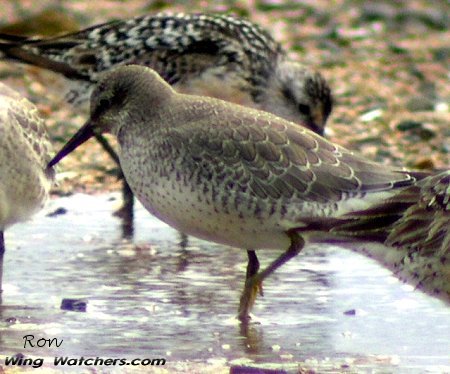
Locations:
column 206, row 54
column 214, row 55
column 24, row 153
column 234, row 175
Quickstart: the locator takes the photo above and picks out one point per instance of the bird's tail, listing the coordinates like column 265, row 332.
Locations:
column 22, row 49
column 416, row 218
column 9, row 42
column 10, row 38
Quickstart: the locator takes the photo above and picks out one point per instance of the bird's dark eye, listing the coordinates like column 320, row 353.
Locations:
column 304, row 109
column 103, row 104
column 100, row 107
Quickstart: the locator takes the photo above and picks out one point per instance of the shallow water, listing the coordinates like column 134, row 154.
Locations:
column 150, row 298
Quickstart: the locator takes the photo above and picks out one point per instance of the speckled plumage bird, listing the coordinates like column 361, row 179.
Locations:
column 214, row 55
column 25, row 151
column 239, row 176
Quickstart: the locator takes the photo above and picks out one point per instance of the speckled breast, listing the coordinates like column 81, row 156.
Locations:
column 168, row 187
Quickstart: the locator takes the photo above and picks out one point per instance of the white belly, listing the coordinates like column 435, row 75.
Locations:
column 193, row 212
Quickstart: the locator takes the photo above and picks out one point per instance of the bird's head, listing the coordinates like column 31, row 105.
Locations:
column 299, row 95
column 118, row 99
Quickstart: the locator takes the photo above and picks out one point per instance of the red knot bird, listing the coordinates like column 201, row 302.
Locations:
column 24, row 153
column 214, row 55
column 235, row 175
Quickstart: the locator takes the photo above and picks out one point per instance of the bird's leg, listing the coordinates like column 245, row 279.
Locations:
column 184, row 241
column 2, row 253
column 126, row 211
column 253, row 264
column 252, row 269
column 248, row 296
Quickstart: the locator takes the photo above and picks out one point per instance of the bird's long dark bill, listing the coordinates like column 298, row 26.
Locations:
column 82, row 135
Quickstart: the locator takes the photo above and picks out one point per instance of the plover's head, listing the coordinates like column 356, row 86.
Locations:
column 299, row 95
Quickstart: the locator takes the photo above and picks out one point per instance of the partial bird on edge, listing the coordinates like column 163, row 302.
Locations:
column 25, row 150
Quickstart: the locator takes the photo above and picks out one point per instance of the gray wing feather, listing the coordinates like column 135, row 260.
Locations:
column 270, row 158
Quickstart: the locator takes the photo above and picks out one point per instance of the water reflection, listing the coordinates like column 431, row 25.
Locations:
column 153, row 297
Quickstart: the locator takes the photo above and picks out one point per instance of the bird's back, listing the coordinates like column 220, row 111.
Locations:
column 213, row 55
column 177, row 46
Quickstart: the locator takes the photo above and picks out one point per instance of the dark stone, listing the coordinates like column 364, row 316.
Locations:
column 418, row 129
column 57, row 212
column 398, row 50
column 74, row 305
column 409, row 125
column 441, row 54
column 375, row 11
column 254, row 370
column 426, row 134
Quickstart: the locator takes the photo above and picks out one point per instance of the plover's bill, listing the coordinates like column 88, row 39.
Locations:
column 24, row 153
column 230, row 174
